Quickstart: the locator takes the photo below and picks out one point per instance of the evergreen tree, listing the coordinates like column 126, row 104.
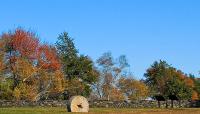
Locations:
column 79, row 71
column 68, row 54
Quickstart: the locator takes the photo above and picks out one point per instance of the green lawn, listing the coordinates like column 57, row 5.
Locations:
column 40, row 110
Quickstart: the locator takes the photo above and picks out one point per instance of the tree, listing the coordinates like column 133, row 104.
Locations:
column 196, row 88
column 156, row 77
column 51, row 78
column 29, row 64
column 68, row 54
column 78, row 69
column 2, row 55
column 195, row 96
column 110, row 73
column 5, row 84
column 175, row 87
column 117, row 95
column 167, row 81
column 133, row 89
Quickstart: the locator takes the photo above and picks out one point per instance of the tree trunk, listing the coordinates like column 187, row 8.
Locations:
column 15, row 82
column 179, row 102
column 166, row 104
column 99, row 91
column 158, row 104
column 172, row 103
column 38, row 96
column 108, row 98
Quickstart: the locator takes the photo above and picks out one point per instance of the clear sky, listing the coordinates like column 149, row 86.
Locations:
column 143, row 30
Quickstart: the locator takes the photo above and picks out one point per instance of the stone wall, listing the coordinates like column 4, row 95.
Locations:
column 45, row 103
column 100, row 104
column 138, row 104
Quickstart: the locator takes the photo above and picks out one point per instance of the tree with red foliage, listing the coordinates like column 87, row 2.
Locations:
column 30, row 64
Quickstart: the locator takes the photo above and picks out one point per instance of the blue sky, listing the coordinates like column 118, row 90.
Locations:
column 143, row 30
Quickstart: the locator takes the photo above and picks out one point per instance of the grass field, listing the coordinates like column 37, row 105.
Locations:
column 39, row 110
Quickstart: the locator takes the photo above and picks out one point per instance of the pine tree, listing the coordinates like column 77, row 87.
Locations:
column 77, row 69
column 67, row 53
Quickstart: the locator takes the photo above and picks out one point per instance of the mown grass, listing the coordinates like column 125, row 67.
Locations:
column 42, row 110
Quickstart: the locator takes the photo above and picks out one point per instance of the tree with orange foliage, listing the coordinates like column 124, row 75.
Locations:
column 2, row 55
column 33, row 67
column 195, row 96
column 165, row 80
column 133, row 89
column 196, row 88
column 117, row 95
column 18, row 44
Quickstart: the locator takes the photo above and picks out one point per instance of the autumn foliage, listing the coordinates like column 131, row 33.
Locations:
column 165, row 80
column 134, row 89
column 32, row 66
column 31, row 70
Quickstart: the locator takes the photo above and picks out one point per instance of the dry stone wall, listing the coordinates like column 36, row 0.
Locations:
column 101, row 104
column 138, row 104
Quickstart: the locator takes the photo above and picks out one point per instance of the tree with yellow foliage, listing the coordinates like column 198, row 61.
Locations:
column 34, row 68
column 133, row 89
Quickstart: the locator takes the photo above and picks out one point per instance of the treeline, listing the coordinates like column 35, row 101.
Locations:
column 31, row 70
